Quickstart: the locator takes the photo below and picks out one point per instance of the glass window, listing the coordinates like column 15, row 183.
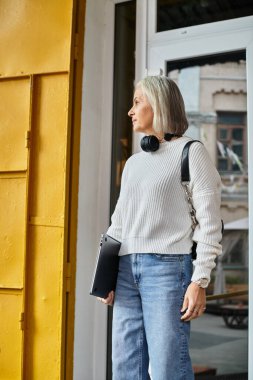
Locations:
column 222, row 164
column 210, row 84
column 173, row 14
column 233, row 118
column 237, row 255
column 237, row 134
column 214, row 89
column 232, row 157
column 223, row 134
column 238, row 149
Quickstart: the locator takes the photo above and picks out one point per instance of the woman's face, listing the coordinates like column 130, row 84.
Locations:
column 141, row 113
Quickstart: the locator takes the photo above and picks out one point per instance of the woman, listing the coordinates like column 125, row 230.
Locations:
column 157, row 294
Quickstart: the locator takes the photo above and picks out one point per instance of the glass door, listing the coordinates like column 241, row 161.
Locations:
column 215, row 93
column 212, row 64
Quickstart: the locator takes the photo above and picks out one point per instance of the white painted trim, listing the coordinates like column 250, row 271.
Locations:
column 104, row 175
column 160, row 53
column 152, row 8
column 249, row 62
column 90, row 334
column 141, row 40
column 237, row 25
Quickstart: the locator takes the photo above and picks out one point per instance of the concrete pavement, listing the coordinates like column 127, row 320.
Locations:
column 214, row 345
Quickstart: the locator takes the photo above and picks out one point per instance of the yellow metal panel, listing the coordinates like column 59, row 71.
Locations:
column 44, row 304
column 36, row 39
column 49, row 140
column 14, row 117
column 35, row 36
column 12, row 231
column 10, row 336
column 45, row 281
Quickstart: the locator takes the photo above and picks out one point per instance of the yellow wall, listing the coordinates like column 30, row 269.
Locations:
column 37, row 124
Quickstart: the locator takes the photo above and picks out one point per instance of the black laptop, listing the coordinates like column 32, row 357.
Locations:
column 107, row 266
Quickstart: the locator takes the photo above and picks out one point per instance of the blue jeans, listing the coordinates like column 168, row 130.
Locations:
column 147, row 328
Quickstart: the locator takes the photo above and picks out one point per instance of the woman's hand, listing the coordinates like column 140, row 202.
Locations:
column 194, row 303
column 109, row 300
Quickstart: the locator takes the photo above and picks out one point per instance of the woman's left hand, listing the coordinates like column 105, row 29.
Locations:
column 109, row 300
column 194, row 303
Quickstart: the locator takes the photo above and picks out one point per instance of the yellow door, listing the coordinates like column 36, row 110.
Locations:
column 38, row 60
column 13, row 206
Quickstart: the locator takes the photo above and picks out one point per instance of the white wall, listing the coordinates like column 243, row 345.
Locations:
column 94, row 187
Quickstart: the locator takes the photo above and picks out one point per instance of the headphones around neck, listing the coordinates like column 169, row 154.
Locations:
column 151, row 143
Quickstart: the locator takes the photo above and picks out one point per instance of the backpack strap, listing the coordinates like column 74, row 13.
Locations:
column 185, row 171
column 185, row 179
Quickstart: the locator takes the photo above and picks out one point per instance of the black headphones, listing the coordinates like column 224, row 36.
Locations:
column 151, row 143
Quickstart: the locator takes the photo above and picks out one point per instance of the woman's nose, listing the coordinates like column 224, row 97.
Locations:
column 130, row 112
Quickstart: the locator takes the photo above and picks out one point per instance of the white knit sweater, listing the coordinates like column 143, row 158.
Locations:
column 152, row 213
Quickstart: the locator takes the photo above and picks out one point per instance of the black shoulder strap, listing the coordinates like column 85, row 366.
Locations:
column 185, row 172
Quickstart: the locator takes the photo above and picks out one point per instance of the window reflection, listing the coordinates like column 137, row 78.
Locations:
column 215, row 95
column 173, row 14
column 231, row 143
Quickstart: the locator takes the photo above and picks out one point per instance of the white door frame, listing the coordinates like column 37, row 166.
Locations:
column 153, row 50
column 90, row 326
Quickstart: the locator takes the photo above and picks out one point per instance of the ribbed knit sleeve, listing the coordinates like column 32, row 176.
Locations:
column 206, row 193
column 115, row 229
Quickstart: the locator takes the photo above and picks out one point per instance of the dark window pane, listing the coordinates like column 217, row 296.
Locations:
column 236, row 255
column 223, row 134
column 222, row 164
column 173, row 14
column 238, row 149
column 237, row 134
column 236, row 168
column 234, row 118
column 232, row 139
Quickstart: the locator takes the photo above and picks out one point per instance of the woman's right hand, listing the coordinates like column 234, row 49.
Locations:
column 109, row 300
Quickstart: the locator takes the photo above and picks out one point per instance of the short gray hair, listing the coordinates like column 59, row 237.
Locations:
column 167, row 103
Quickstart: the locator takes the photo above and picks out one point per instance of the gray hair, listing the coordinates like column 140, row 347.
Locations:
column 167, row 103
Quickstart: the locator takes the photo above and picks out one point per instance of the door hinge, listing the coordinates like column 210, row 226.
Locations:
column 68, row 277
column 76, row 46
column 28, row 139
column 22, row 321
